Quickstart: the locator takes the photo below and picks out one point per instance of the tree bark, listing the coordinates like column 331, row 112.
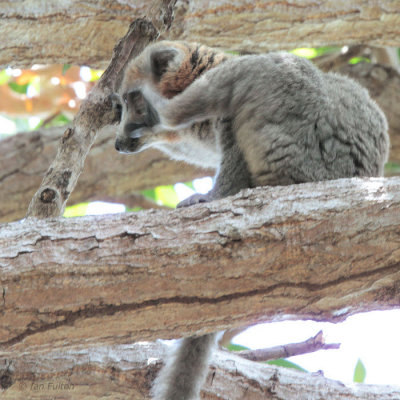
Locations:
column 84, row 32
column 24, row 158
column 126, row 372
column 319, row 251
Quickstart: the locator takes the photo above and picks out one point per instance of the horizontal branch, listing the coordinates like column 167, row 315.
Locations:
column 60, row 33
column 274, row 25
column 126, row 371
column 320, row 251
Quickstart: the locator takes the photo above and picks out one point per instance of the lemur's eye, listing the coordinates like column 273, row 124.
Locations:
column 125, row 98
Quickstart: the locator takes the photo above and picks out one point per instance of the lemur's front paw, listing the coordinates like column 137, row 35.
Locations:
column 194, row 199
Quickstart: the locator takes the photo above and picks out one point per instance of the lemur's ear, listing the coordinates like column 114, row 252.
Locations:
column 159, row 60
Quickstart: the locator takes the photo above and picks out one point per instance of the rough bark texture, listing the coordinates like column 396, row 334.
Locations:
column 25, row 158
column 319, row 251
column 126, row 372
column 84, row 32
column 94, row 113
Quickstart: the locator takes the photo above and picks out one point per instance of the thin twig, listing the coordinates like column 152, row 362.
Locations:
column 312, row 344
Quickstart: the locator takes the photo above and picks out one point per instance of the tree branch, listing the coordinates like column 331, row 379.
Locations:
column 310, row 345
column 94, row 113
column 66, row 32
column 126, row 371
column 320, row 251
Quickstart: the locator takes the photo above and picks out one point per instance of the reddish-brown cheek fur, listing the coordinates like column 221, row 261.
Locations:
column 173, row 83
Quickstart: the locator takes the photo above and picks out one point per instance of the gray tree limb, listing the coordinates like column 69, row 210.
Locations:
column 310, row 345
column 320, row 251
column 127, row 371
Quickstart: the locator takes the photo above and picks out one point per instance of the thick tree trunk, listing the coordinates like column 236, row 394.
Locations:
column 319, row 251
column 126, row 372
column 84, row 32
column 25, row 158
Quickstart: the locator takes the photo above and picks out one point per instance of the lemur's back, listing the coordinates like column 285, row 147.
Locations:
column 292, row 122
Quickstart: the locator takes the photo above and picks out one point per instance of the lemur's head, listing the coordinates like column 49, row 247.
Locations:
column 142, row 86
column 163, row 70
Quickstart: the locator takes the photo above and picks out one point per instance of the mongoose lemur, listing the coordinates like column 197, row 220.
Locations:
column 272, row 119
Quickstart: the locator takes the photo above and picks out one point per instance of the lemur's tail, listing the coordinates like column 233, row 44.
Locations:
column 185, row 370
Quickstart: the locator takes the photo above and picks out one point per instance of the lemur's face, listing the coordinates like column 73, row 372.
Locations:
column 137, row 118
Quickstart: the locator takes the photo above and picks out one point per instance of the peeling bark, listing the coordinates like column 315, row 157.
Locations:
column 84, row 31
column 320, row 251
column 126, row 372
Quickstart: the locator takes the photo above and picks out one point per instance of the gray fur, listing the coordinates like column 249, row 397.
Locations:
column 185, row 371
column 270, row 119
column 291, row 122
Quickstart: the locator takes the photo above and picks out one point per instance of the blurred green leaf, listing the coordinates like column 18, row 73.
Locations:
column 356, row 60
column 305, row 52
column 281, row 362
column 65, row 68
column 21, row 89
column 134, row 209
column 77, row 210
column 95, row 74
column 4, row 77
column 392, row 168
column 166, row 195
column 359, row 372
column 236, row 347
column 59, row 120
column 189, row 185
column 149, row 193
column 309, row 52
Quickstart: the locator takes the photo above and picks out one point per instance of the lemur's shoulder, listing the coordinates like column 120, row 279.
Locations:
column 171, row 66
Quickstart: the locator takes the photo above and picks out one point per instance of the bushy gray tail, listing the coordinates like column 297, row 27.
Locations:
column 185, row 370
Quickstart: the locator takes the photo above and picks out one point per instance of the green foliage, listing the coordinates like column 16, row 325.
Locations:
column 236, row 347
column 4, row 77
column 281, row 362
column 150, row 194
column 95, row 74
column 356, row 60
column 59, row 120
column 314, row 52
column 359, row 372
column 21, row 89
column 77, row 210
column 65, row 68
column 166, row 195
column 392, row 168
